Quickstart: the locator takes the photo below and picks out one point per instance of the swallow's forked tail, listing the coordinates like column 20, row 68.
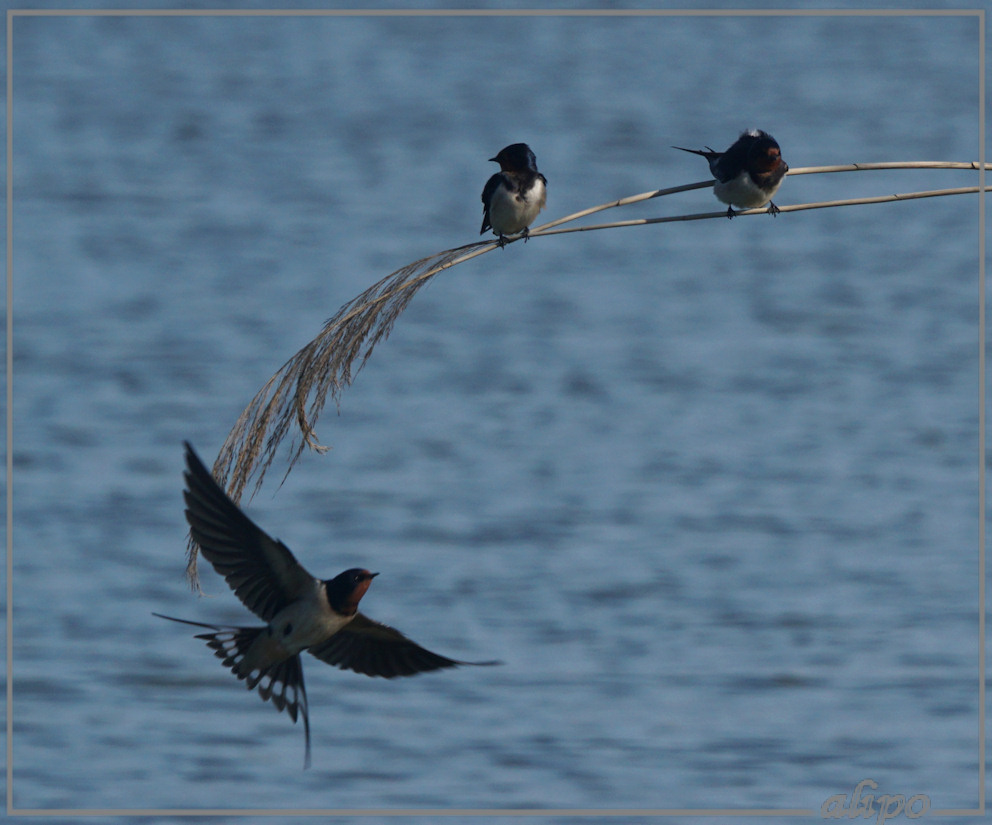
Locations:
column 708, row 153
column 281, row 682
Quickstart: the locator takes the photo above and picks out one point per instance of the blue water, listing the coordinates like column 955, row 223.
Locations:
column 709, row 490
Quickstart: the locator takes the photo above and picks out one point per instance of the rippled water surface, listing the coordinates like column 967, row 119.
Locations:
column 709, row 490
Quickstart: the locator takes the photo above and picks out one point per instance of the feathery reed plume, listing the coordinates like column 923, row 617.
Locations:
column 324, row 366
column 298, row 391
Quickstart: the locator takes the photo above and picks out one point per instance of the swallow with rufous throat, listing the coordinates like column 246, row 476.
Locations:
column 302, row 613
column 749, row 173
column 515, row 195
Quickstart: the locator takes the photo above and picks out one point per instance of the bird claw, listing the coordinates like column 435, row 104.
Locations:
column 503, row 240
column 773, row 210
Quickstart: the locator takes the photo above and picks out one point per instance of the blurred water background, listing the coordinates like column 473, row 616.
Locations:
column 709, row 490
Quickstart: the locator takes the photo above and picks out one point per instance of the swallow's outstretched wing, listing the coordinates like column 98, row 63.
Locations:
column 376, row 649
column 261, row 571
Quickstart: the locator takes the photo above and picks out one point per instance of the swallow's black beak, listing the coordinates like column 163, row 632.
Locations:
column 493, row 160
column 373, row 575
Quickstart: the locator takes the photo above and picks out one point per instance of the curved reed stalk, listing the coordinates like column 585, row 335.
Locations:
column 799, row 207
column 298, row 391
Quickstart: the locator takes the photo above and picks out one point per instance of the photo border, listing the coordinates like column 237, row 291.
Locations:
column 12, row 14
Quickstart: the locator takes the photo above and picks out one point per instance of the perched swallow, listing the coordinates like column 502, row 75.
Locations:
column 749, row 173
column 515, row 194
column 302, row 612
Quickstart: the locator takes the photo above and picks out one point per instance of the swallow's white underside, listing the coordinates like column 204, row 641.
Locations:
column 512, row 212
column 742, row 192
column 302, row 624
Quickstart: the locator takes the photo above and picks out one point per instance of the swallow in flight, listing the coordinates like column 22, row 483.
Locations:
column 302, row 613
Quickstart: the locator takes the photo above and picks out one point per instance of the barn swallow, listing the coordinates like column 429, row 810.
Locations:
column 302, row 613
column 749, row 173
column 515, row 194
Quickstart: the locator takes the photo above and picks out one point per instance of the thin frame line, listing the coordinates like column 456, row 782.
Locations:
column 427, row 13
column 421, row 812
column 981, row 416
column 10, row 412
column 493, row 13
